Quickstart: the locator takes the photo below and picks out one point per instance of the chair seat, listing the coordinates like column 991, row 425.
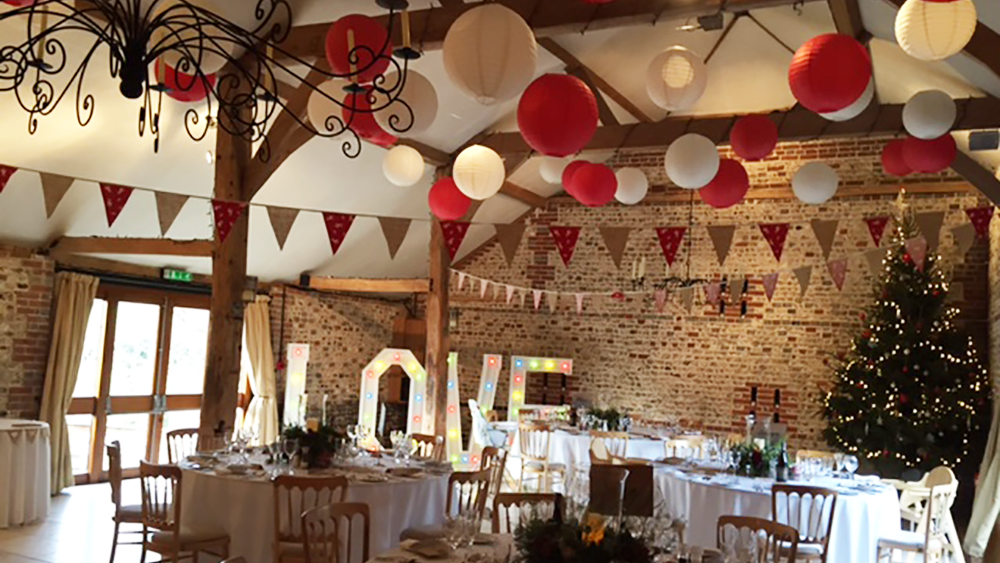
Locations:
column 805, row 549
column 129, row 513
column 291, row 552
column 910, row 541
column 539, row 467
column 190, row 538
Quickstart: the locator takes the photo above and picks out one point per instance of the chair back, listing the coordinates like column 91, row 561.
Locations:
column 115, row 473
column 161, row 496
column 938, row 476
column 429, row 447
column 337, row 533
column 814, row 454
column 933, row 524
column 684, row 448
column 608, row 446
column 181, row 443
column 626, row 488
column 756, row 540
column 807, row 509
column 494, row 460
column 534, row 441
column 467, row 493
column 294, row 495
column 511, row 510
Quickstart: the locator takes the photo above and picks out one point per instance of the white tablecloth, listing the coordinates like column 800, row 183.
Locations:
column 574, row 449
column 24, row 471
column 859, row 521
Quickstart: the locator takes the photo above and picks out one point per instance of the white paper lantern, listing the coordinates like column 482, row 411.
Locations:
column 552, row 169
column 929, row 114
column 419, row 94
column 931, row 31
column 403, row 166
column 692, row 161
column 189, row 37
column 490, row 53
column 855, row 109
column 815, row 183
column 324, row 112
column 632, row 185
column 676, row 79
column 479, row 172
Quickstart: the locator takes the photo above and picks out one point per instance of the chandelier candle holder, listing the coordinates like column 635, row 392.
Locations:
column 179, row 47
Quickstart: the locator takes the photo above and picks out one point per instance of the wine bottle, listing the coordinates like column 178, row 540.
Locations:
column 781, row 468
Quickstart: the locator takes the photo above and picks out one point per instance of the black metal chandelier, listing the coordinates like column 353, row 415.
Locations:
column 143, row 37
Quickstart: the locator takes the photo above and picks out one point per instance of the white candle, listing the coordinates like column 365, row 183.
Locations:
column 642, row 267
column 635, row 265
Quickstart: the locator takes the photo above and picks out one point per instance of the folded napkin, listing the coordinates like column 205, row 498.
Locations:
column 424, row 533
column 429, row 548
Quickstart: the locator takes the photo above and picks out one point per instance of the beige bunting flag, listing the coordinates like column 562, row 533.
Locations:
column 54, row 188
column 825, row 232
column 168, row 206
column 553, row 299
column 875, row 257
column 722, row 240
column 394, row 230
column 804, row 275
column 281, row 219
column 735, row 288
column 509, row 237
column 965, row 237
column 616, row 239
column 687, row 298
column 930, row 226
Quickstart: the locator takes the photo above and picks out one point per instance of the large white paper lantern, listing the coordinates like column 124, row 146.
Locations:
column 323, row 112
column 490, row 53
column 855, row 109
column 931, row 30
column 815, row 183
column 403, row 166
column 929, row 114
column 419, row 94
column 632, row 185
column 676, row 79
column 479, row 172
column 691, row 161
column 552, row 168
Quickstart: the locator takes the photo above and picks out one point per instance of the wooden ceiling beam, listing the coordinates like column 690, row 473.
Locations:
column 150, row 246
column 365, row 285
column 847, row 18
column 523, row 195
column 979, row 176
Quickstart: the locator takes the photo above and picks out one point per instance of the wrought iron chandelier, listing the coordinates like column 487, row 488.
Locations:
column 146, row 39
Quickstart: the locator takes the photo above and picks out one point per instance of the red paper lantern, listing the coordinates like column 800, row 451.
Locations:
column 19, row 3
column 829, row 72
column 370, row 40
column 754, row 137
column 569, row 172
column 929, row 157
column 892, row 159
column 557, row 115
column 357, row 116
column 728, row 187
column 594, row 185
column 447, row 202
column 184, row 87
column 384, row 139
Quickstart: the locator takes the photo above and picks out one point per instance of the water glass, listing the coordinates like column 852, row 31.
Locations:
column 851, row 465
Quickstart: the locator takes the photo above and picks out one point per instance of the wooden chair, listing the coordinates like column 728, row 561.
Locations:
column 494, row 460
column 330, row 530
column 534, row 505
column 913, row 495
column 930, row 541
column 161, row 518
column 813, row 454
column 294, row 495
column 773, row 542
column 534, row 443
column 688, row 447
column 608, row 446
column 625, row 488
column 181, row 443
column 429, row 447
column 237, row 559
column 809, row 510
column 467, row 493
column 130, row 514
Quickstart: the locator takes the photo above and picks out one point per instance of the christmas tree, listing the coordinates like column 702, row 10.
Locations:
column 911, row 392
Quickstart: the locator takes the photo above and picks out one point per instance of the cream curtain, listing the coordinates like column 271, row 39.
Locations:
column 987, row 504
column 262, row 414
column 74, row 296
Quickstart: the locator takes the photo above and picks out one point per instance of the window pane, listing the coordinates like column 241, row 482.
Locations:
column 88, row 378
column 130, row 430
column 136, row 329
column 176, row 420
column 80, row 427
column 188, row 351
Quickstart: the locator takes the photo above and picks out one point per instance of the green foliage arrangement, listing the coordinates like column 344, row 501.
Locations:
column 751, row 460
column 553, row 541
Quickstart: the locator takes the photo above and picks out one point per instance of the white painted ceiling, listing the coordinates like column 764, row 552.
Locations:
column 748, row 74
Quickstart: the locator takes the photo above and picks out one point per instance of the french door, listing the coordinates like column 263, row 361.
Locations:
column 141, row 376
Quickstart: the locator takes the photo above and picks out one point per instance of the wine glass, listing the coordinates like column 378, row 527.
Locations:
column 838, row 462
column 851, row 465
column 289, row 446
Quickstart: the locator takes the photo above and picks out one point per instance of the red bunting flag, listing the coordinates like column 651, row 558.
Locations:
column 536, row 297
column 770, row 284
column 337, row 225
column 661, row 300
column 5, row 173
column 579, row 303
column 670, row 241
column 226, row 214
column 980, row 217
column 876, row 228
column 838, row 271
column 483, row 285
column 775, row 235
column 565, row 239
column 917, row 249
column 454, row 234
column 712, row 292
column 115, row 198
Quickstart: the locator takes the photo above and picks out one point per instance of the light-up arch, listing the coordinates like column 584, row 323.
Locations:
column 520, row 366
column 419, row 415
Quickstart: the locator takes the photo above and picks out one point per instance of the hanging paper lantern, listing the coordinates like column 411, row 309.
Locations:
column 594, row 185
column 557, row 115
column 371, row 47
column 447, row 202
column 419, row 94
column 632, row 185
column 186, row 47
column 20, row 3
column 855, row 109
column 490, row 53
column 929, row 156
column 931, row 30
column 676, row 79
column 570, row 172
column 323, row 112
column 829, row 73
column 383, row 139
column 729, row 186
column 479, row 172
column 403, row 166
column 184, row 87
column 929, row 114
column 691, row 161
column 754, row 137
column 815, row 183
column 552, row 169
column 892, row 159
column 357, row 115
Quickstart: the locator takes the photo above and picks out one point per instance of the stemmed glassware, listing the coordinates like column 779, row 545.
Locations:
column 851, row 465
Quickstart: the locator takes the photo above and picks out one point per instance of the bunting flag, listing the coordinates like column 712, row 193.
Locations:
column 722, row 240
column 825, row 232
column 536, row 296
column 226, row 213
column 930, row 226
column 579, row 303
column 980, row 217
column 5, row 173
column 394, row 230
column 965, row 237
column 454, row 233
column 876, row 228
column 712, row 291
column 735, row 288
column 770, row 282
column 281, row 219
column 917, row 249
column 337, row 225
column 115, row 197
column 483, row 284
column 553, row 299
column 661, row 300
column 54, row 188
column 804, row 275
column 497, row 290
column 523, row 296
column 510, row 293
column 775, row 234
column 509, row 237
column 838, row 271
column 168, row 206
column 687, row 298
column 565, row 239
column 616, row 239
column 461, row 280
column 671, row 238
column 875, row 258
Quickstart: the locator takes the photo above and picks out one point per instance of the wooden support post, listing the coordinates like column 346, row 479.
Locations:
column 437, row 329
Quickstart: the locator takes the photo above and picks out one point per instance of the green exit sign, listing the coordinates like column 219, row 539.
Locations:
column 177, row 275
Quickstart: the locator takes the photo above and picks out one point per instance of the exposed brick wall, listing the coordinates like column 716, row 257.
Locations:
column 26, row 285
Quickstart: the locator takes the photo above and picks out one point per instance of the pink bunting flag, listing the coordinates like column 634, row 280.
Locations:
column 454, row 234
column 770, row 284
column 579, row 303
column 461, row 280
column 510, row 293
column 712, row 292
column 838, row 271
column 337, row 225
column 536, row 296
column 876, row 228
column 980, row 217
column 661, row 300
column 917, row 249
column 775, row 234
column 226, row 214
column 670, row 241
column 565, row 239
column 5, row 173
column 482, row 288
column 115, row 198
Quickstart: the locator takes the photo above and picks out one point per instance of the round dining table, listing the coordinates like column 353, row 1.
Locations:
column 25, row 470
